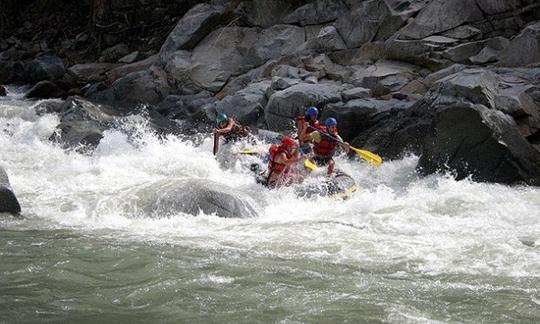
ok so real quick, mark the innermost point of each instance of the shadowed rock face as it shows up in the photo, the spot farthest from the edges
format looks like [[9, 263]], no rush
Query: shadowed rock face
[[193, 196], [479, 142], [8, 201]]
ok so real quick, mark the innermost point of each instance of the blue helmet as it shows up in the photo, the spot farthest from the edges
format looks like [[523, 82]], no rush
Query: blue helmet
[[221, 118], [330, 121], [312, 111]]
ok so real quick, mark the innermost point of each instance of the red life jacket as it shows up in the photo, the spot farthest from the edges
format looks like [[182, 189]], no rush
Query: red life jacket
[[326, 147], [273, 166], [314, 126]]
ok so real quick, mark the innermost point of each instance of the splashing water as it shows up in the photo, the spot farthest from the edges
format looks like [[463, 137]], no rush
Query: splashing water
[[401, 249]]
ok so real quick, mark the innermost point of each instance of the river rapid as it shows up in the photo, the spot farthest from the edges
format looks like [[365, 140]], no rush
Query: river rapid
[[402, 249]]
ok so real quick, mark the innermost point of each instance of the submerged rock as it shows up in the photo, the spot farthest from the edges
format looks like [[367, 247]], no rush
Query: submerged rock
[[8, 201], [194, 196]]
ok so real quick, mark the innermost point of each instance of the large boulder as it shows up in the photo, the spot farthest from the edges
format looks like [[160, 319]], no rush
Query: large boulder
[[114, 53], [284, 105], [3, 91], [44, 90], [246, 105], [264, 13], [476, 85], [49, 67], [198, 22], [441, 15], [194, 196], [123, 70], [481, 143], [235, 50], [355, 116], [188, 108], [149, 86], [327, 40], [82, 123], [356, 29], [90, 72], [524, 49], [316, 12], [8, 201]]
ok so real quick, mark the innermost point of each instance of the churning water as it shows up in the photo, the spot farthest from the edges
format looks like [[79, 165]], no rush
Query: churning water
[[402, 249]]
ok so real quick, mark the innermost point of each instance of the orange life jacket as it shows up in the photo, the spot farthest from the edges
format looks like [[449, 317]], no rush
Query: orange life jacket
[[326, 147], [273, 166]]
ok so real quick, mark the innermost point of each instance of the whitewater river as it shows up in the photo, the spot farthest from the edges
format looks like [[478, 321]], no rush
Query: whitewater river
[[402, 249]]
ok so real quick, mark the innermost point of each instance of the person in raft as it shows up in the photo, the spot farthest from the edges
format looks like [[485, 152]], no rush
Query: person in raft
[[230, 129], [305, 125], [282, 170], [325, 143]]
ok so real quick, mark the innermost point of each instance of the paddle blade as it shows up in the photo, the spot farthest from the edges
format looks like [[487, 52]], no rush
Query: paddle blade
[[248, 152], [310, 165], [368, 156]]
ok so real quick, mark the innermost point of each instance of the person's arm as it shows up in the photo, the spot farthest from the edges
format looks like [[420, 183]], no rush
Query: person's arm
[[226, 129], [344, 145], [300, 126]]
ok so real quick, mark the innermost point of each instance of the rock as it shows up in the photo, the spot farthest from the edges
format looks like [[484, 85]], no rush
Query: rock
[[524, 49], [463, 32], [481, 143], [82, 124], [45, 89], [246, 106], [112, 54], [130, 58], [486, 55], [429, 21], [367, 53], [284, 105], [434, 77], [328, 39], [419, 52], [476, 85], [317, 12], [356, 93], [3, 91], [462, 52], [81, 38], [149, 86], [322, 66], [8, 201], [279, 83], [215, 60], [90, 72], [356, 115], [187, 107], [264, 13], [3, 45], [194, 196], [413, 89], [198, 22], [122, 71], [48, 67], [384, 77], [357, 30]]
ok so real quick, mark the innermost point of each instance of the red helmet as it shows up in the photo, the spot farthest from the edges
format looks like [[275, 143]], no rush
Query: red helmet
[[288, 142]]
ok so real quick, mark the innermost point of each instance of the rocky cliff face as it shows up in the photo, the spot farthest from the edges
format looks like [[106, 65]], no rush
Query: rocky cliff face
[[457, 82]]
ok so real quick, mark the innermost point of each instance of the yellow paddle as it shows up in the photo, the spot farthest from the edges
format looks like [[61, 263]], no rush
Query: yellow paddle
[[249, 151], [366, 155], [310, 165]]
